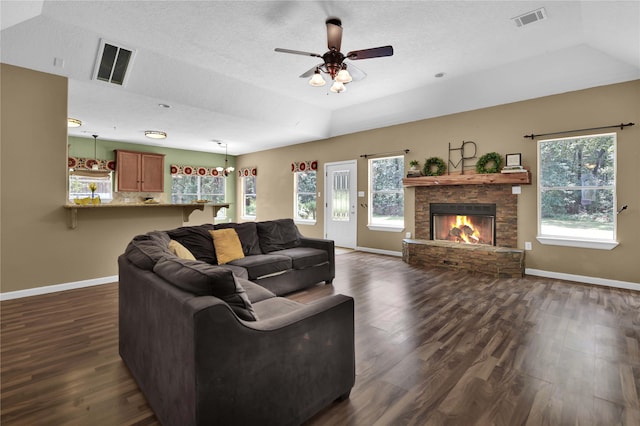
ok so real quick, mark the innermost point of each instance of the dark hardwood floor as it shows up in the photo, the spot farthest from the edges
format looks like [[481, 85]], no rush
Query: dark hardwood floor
[[433, 347]]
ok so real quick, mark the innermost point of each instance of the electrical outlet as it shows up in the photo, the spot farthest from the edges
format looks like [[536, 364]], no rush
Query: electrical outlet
[[527, 245]]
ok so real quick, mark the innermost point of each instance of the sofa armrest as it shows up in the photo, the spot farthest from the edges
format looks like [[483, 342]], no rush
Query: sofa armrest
[[323, 244], [277, 371]]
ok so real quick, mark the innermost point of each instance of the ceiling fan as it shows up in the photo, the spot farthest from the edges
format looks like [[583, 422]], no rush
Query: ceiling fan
[[334, 64]]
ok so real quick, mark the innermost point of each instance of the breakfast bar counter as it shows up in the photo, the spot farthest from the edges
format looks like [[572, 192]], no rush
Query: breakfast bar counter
[[187, 209]]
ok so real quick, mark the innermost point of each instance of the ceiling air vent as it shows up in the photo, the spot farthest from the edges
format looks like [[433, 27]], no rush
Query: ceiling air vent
[[530, 17], [112, 63]]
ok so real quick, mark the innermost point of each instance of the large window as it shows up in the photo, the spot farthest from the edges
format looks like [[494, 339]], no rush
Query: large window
[[305, 196], [249, 197], [577, 191], [79, 185], [386, 203], [189, 188]]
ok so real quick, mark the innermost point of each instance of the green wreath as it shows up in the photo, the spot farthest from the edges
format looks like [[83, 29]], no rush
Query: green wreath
[[481, 165], [429, 163]]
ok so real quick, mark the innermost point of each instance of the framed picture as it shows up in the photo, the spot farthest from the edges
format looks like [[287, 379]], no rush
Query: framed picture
[[513, 160]]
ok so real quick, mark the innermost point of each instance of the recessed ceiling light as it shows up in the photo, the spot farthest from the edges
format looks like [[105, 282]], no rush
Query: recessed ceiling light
[[73, 122], [164, 106], [439, 75], [155, 134]]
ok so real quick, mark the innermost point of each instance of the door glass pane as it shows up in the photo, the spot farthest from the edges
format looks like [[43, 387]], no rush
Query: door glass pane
[[340, 196]]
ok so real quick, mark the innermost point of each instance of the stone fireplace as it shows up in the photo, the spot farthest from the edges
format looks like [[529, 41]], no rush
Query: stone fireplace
[[440, 233]]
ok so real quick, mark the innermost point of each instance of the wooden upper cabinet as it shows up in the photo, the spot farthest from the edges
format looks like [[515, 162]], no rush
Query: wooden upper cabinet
[[139, 171]]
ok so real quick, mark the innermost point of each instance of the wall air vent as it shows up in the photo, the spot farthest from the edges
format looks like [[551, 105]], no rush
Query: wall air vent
[[112, 63], [530, 17]]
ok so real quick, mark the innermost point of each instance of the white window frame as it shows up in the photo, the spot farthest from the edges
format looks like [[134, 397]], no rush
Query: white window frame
[[245, 215], [574, 241], [296, 193], [376, 225], [222, 213]]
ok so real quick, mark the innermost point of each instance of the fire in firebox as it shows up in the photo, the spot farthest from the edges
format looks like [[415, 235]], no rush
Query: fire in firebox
[[468, 223], [463, 231]]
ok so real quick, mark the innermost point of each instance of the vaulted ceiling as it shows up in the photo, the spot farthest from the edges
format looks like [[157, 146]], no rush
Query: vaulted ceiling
[[213, 62]]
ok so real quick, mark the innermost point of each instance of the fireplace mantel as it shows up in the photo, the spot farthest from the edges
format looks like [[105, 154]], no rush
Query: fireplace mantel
[[470, 179]]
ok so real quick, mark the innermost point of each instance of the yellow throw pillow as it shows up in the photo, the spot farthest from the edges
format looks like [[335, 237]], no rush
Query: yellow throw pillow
[[227, 245], [179, 250]]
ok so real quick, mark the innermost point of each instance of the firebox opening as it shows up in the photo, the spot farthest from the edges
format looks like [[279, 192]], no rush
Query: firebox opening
[[468, 223]]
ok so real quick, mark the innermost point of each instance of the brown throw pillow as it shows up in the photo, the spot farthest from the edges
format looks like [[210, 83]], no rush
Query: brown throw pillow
[[227, 245], [179, 250]]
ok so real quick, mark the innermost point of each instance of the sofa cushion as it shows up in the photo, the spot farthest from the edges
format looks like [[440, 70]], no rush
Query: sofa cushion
[[227, 245], [304, 257], [197, 240], [145, 250], [248, 234], [203, 279], [261, 265], [277, 235], [179, 250], [255, 292]]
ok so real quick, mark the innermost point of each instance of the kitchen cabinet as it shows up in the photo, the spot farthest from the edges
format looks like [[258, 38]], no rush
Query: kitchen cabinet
[[139, 171]]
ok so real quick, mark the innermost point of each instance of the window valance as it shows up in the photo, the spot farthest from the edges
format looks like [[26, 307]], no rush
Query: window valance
[[80, 164], [195, 170], [247, 171], [304, 166]]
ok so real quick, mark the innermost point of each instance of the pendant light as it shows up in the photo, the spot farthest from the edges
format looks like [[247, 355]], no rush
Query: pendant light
[[95, 166], [227, 169]]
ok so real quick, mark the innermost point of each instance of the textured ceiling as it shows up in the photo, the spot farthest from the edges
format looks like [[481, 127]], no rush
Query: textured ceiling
[[214, 62]]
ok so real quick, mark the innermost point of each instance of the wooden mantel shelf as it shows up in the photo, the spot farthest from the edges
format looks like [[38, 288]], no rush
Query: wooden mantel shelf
[[470, 179], [187, 209]]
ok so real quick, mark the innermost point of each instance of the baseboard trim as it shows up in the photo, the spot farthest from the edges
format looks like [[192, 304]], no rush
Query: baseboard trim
[[378, 251], [56, 288], [583, 279]]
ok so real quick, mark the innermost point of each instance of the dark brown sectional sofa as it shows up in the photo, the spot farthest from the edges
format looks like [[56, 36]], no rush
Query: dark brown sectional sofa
[[215, 344]]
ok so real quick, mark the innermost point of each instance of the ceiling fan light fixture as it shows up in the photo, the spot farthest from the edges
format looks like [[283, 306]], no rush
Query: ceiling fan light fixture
[[343, 75], [338, 87], [73, 122], [155, 134], [317, 80]]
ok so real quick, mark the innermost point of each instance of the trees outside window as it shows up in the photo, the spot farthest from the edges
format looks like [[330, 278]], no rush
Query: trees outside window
[[305, 196], [386, 202], [577, 188], [249, 197], [189, 188]]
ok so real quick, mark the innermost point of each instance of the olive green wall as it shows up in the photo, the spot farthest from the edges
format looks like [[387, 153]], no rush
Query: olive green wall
[[499, 129], [84, 147]]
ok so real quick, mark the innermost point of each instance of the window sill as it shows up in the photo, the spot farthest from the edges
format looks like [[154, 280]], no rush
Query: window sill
[[304, 222], [569, 242], [385, 228]]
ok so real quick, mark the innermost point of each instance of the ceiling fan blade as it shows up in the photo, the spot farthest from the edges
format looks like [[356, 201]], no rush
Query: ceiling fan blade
[[334, 33], [297, 52], [356, 73], [310, 72], [375, 52]]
